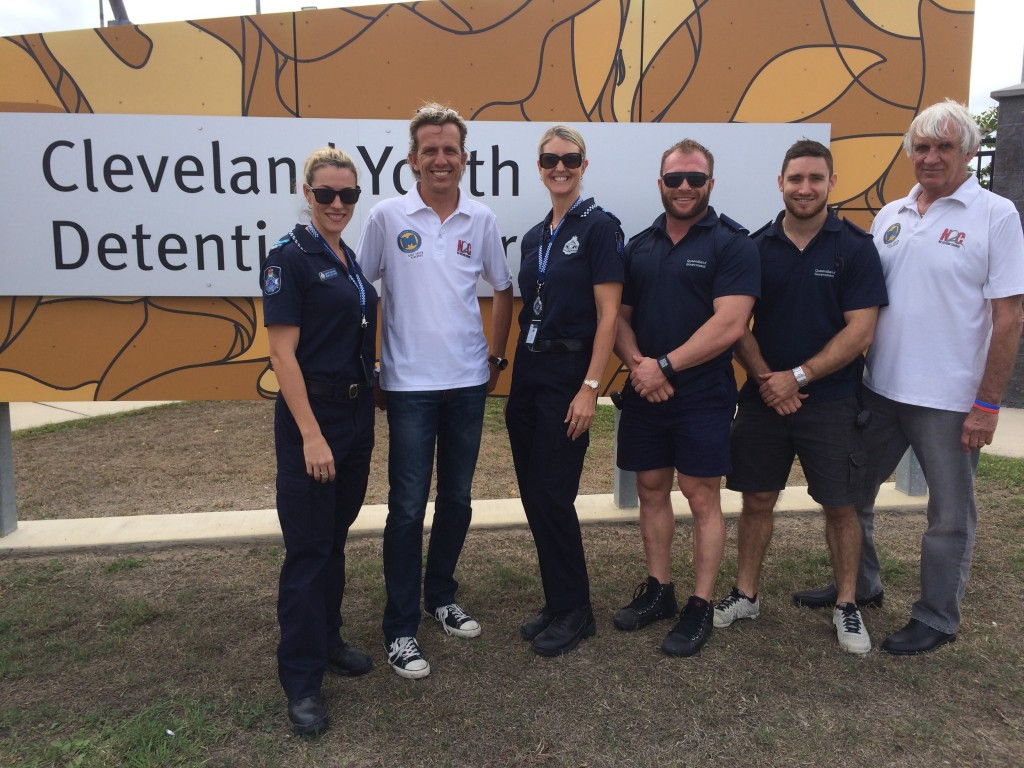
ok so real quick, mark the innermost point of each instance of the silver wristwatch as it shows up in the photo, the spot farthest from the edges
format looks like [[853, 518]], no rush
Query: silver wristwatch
[[800, 376]]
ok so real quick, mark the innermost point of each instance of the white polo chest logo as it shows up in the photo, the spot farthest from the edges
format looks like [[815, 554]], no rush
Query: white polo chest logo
[[572, 246]]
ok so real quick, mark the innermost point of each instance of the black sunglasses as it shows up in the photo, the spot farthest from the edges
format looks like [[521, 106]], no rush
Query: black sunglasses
[[326, 195], [571, 160], [695, 179]]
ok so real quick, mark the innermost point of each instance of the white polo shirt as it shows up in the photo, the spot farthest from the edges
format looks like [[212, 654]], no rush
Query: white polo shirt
[[941, 270], [431, 327]]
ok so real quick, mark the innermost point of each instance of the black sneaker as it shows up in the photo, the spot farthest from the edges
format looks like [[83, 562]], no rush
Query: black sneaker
[[652, 601], [692, 630], [825, 597], [536, 624], [565, 632]]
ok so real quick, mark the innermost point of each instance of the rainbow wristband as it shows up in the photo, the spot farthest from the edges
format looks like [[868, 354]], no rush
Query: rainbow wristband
[[981, 405]]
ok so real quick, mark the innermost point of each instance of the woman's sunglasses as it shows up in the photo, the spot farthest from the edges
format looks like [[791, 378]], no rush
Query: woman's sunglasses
[[326, 195], [694, 178], [549, 160]]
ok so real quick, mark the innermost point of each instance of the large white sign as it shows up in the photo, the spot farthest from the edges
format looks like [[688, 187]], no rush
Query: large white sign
[[161, 205]]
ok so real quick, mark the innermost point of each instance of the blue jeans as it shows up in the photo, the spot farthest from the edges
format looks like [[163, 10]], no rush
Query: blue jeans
[[453, 420]]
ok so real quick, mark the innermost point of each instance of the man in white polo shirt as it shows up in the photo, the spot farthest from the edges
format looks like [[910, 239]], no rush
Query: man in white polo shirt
[[430, 247], [944, 350]]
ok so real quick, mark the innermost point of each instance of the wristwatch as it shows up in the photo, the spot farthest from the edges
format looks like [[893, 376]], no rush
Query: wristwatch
[[592, 383], [800, 376], [501, 363], [665, 365]]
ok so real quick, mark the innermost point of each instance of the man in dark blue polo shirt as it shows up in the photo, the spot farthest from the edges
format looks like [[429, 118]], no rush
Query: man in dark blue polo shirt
[[691, 280], [821, 288]]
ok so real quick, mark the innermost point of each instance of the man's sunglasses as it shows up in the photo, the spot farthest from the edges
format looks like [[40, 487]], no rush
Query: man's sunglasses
[[695, 179], [549, 160], [326, 195]]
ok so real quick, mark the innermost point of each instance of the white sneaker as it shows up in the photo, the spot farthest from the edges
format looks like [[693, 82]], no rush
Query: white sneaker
[[850, 629], [456, 621], [405, 658], [736, 606]]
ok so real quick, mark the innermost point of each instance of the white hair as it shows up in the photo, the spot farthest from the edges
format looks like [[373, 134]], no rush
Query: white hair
[[936, 121]]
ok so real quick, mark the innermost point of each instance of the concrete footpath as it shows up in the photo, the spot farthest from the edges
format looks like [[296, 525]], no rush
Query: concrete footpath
[[141, 531]]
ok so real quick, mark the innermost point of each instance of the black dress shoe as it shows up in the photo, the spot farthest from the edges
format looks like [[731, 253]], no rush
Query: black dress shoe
[[916, 637], [308, 716], [692, 630], [536, 624], [348, 661], [565, 632], [825, 597]]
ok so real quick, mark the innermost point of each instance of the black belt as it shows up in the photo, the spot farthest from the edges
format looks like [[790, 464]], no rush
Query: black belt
[[335, 391], [559, 345]]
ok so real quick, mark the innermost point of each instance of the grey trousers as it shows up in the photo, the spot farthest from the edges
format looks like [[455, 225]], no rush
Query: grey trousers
[[948, 542]]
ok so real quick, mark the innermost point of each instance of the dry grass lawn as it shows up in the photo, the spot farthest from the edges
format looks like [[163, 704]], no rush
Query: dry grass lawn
[[166, 658]]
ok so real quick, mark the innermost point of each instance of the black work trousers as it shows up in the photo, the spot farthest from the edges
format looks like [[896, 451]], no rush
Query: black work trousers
[[315, 518], [548, 466]]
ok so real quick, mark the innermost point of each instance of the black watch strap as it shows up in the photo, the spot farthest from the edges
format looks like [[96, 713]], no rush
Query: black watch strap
[[501, 363], [666, 366]]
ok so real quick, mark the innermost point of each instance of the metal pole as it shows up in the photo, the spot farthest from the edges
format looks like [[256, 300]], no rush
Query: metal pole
[[625, 482], [120, 14], [8, 509], [910, 477]]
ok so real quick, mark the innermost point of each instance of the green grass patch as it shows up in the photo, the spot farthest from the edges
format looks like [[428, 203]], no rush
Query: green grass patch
[[132, 614], [1002, 472], [123, 564]]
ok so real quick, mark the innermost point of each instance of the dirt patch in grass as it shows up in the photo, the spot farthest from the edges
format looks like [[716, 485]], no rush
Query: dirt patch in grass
[[167, 658]]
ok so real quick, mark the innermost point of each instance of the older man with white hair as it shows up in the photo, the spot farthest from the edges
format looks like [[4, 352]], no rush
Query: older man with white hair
[[943, 352]]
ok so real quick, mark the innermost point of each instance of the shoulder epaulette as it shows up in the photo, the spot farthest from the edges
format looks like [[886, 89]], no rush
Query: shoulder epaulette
[[732, 224], [855, 228], [762, 230], [642, 233]]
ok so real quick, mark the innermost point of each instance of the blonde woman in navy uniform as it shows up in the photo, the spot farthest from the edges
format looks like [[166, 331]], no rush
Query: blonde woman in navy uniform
[[320, 315], [571, 283]]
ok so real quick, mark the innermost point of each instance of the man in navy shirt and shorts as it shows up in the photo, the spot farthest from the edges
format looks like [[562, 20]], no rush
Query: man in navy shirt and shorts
[[821, 288], [691, 280]]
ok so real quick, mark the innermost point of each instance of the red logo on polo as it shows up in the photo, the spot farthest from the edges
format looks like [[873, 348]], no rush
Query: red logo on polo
[[465, 249], [953, 237]]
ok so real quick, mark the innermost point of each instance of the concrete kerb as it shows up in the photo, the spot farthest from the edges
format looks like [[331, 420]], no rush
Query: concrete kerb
[[133, 532]]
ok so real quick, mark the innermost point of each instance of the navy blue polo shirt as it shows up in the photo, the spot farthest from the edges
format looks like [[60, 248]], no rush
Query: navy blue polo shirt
[[587, 251], [671, 289], [804, 295], [305, 285]]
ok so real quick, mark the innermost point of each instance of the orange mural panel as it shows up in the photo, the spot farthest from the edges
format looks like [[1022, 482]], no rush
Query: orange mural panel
[[865, 66]]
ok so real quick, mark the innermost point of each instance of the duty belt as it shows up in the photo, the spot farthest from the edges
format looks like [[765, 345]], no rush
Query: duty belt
[[558, 345], [335, 391]]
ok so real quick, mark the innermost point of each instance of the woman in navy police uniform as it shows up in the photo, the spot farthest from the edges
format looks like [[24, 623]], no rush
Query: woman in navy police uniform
[[320, 315], [571, 283]]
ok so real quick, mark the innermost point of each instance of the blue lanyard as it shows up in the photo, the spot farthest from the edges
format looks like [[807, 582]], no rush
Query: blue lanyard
[[352, 273], [543, 254]]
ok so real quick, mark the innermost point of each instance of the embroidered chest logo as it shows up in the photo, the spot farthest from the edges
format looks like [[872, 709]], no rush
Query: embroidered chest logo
[[829, 273], [409, 241], [891, 234], [465, 249], [952, 237], [572, 246], [698, 263]]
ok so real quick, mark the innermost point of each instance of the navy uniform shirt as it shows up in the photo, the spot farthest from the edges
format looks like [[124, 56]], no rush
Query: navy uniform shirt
[[587, 251], [672, 289], [804, 295], [305, 285]]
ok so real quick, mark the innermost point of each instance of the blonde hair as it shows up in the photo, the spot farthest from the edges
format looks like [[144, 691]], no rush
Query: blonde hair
[[327, 157], [562, 132]]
